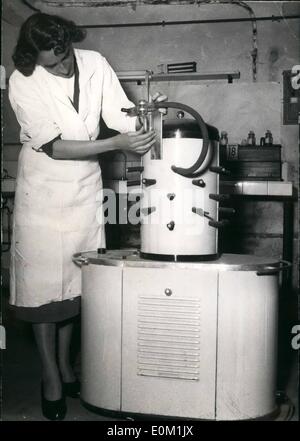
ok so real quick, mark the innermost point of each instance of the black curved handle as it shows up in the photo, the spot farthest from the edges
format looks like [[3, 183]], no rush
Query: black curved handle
[[188, 172]]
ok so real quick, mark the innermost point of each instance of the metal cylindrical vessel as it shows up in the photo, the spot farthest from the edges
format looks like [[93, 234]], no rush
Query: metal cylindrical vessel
[[177, 211]]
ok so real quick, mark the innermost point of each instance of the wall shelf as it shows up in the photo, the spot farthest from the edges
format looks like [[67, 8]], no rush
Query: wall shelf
[[142, 76]]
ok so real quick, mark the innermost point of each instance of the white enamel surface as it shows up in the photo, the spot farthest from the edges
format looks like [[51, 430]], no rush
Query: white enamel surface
[[159, 393], [192, 234], [236, 375], [247, 345], [101, 336]]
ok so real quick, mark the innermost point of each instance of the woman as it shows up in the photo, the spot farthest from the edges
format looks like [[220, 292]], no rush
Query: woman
[[58, 94]]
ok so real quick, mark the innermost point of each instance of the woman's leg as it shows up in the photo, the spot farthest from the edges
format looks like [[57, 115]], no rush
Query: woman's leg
[[64, 342], [45, 336]]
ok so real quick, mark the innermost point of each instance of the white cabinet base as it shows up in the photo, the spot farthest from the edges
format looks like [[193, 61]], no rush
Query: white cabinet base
[[187, 340]]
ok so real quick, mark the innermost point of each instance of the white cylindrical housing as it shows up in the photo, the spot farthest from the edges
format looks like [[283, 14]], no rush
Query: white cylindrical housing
[[182, 339], [175, 211]]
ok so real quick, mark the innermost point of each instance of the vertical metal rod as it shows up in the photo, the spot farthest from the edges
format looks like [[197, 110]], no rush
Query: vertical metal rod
[[147, 80], [149, 99]]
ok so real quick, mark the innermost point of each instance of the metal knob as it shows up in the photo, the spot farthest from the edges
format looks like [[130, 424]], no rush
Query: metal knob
[[180, 114], [171, 225], [219, 197], [148, 182], [198, 182], [171, 196], [168, 292], [148, 210], [218, 224], [133, 183], [139, 169], [226, 210], [220, 170]]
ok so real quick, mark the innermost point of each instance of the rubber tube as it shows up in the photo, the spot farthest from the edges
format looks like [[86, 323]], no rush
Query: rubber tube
[[188, 172]]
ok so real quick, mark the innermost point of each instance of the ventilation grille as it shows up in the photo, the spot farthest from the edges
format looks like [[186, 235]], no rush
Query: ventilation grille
[[169, 337]]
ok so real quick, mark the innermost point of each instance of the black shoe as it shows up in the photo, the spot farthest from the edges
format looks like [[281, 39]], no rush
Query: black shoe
[[53, 410], [72, 389]]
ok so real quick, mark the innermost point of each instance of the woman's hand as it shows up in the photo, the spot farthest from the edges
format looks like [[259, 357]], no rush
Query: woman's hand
[[135, 142], [156, 98]]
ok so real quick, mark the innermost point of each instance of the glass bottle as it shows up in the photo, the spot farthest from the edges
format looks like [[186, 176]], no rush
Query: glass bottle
[[224, 138], [269, 138], [251, 138]]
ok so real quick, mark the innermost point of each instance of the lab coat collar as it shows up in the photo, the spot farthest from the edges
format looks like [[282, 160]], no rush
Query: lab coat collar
[[86, 71]]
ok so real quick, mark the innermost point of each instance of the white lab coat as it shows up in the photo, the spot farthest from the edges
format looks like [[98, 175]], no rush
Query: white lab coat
[[58, 206]]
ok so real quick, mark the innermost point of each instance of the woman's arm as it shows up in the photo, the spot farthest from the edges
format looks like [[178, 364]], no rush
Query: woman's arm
[[136, 142]]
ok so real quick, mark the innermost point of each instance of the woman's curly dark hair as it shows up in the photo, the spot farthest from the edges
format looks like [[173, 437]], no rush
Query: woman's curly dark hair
[[43, 32]]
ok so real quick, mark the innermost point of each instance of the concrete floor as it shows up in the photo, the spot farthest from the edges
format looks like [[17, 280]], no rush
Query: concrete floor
[[22, 373], [21, 379]]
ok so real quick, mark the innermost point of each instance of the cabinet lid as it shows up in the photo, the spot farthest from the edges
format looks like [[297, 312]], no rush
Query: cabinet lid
[[226, 262]]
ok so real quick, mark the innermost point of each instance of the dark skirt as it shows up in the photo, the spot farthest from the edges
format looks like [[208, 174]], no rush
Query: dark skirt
[[49, 313]]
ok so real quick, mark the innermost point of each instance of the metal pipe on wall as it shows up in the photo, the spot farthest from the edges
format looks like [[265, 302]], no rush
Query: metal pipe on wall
[[252, 18], [164, 23], [30, 6]]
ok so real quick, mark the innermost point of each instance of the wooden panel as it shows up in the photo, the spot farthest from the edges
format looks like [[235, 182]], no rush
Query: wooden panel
[[169, 342]]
